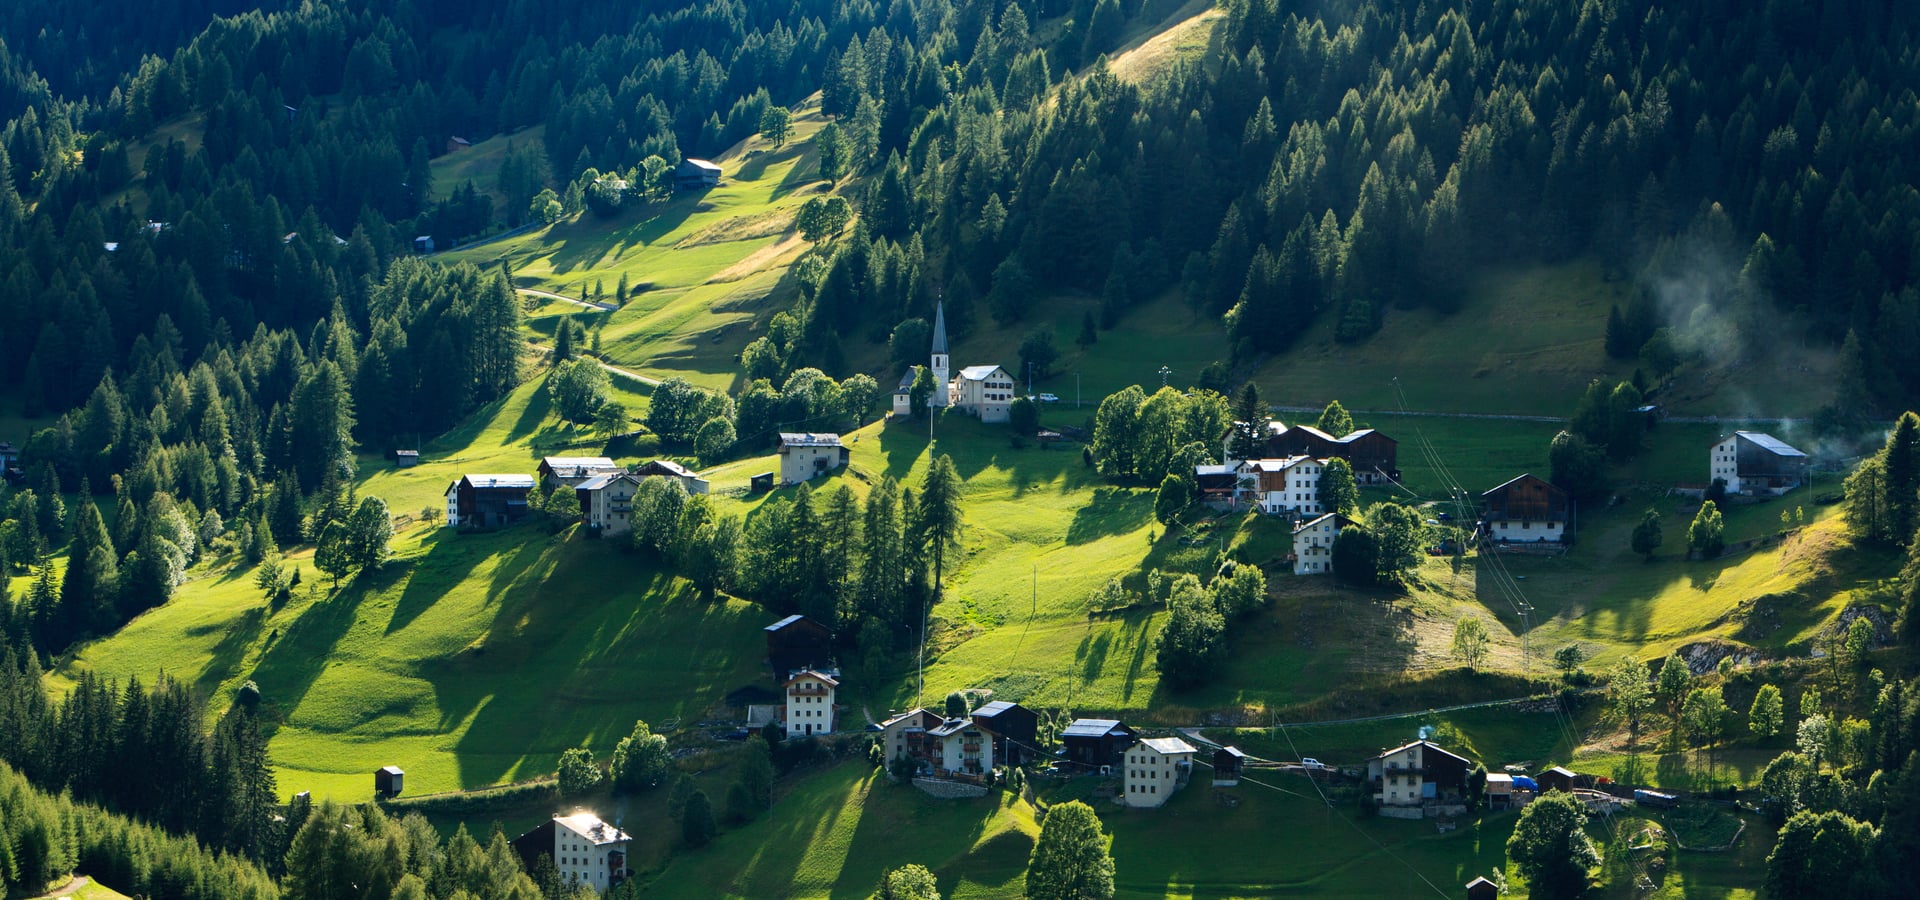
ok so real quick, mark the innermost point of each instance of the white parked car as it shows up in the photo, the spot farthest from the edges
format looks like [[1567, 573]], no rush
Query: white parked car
[[1313, 765], [1049, 398]]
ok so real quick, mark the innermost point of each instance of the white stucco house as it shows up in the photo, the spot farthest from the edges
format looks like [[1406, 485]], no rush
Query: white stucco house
[[963, 748], [903, 393], [1313, 543], [606, 502], [807, 455], [984, 392], [810, 695], [1290, 485], [583, 848], [1154, 769]]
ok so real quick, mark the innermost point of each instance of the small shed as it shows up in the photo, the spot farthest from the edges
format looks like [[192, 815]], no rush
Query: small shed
[[406, 459], [761, 483], [1482, 889], [456, 144], [388, 781], [423, 244], [1499, 790], [1227, 763], [1557, 778]]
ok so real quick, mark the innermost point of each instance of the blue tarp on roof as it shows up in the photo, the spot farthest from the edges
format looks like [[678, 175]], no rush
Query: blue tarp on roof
[[1526, 784]]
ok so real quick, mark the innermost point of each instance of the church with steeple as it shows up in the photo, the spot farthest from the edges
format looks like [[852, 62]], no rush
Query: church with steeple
[[984, 392]]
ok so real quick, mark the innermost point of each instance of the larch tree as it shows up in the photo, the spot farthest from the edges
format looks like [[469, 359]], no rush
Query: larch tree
[[1070, 860]]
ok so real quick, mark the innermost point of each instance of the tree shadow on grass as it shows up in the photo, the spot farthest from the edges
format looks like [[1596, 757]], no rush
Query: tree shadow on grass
[[952, 828], [587, 242], [289, 667], [448, 559], [1111, 511], [232, 648], [531, 416]]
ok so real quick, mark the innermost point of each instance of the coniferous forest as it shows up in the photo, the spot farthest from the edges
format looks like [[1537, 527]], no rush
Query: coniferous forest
[[203, 331]]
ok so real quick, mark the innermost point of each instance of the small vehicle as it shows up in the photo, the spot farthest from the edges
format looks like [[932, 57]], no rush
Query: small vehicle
[[1313, 765], [1049, 398]]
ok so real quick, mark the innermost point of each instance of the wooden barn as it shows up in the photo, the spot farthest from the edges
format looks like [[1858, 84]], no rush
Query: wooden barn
[[1227, 765], [795, 643], [1015, 730], [1528, 510], [695, 175], [488, 501], [1097, 742], [388, 781]]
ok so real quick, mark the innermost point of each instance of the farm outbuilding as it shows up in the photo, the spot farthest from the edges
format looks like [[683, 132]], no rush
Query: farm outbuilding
[[795, 643], [1097, 742], [1558, 779], [695, 174], [1014, 729], [388, 781], [1227, 763]]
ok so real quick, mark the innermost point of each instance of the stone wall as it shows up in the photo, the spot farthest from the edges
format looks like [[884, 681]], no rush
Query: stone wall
[[949, 790]]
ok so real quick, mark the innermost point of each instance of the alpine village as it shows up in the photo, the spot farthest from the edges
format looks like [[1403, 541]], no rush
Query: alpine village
[[917, 449]]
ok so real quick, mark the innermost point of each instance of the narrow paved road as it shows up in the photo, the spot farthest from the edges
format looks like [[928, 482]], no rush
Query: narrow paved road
[[647, 380], [602, 307]]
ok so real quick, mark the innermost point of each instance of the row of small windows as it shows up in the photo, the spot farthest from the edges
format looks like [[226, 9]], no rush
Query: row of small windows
[[1143, 789]]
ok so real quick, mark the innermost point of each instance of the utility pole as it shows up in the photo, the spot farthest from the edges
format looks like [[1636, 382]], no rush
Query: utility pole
[[1076, 390]]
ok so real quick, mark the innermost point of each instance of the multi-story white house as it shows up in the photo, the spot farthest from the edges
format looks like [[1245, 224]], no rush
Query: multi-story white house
[[1754, 463], [1313, 543], [984, 392], [964, 749], [810, 696], [581, 846], [1413, 777], [1290, 485], [804, 456], [606, 502], [1155, 768]]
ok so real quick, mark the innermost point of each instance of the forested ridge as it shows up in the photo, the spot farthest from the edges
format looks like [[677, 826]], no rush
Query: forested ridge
[[207, 328]]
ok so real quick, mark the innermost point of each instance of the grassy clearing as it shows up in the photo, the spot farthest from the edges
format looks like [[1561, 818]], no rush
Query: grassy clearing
[[835, 834], [480, 164], [1192, 32], [471, 660], [692, 306]]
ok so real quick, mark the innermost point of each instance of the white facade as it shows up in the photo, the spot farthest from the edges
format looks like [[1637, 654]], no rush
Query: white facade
[[606, 502], [1290, 485], [1726, 463], [1313, 544], [453, 505], [1154, 769], [985, 392], [1525, 531], [903, 393], [810, 703], [964, 748], [804, 456], [589, 849], [894, 731]]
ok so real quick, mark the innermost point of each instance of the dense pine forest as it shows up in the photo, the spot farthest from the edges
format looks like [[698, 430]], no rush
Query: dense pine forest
[[209, 301]]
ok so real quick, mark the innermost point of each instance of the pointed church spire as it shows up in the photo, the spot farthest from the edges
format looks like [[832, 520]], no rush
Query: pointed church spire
[[939, 367], [940, 328]]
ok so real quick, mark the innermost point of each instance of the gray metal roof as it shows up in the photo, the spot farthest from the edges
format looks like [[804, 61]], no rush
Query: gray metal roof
[[1091, 727], [807, 439], [979, 373], [1168, 746], [499, 481], [1769, 443], [579, 462]]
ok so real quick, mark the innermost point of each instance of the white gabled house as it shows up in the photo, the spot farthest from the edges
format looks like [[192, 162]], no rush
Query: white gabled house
[[984, 392], [1154, 769], [1313, 543], [806, 455], [964, 749], [903, 393], [809, 709], [585, 850]]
